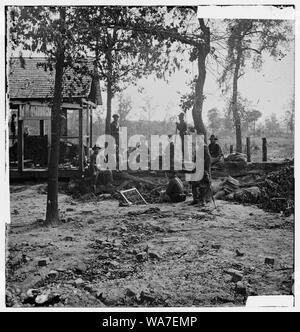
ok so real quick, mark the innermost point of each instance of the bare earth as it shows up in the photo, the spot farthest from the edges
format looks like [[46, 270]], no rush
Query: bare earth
[[152, 255]]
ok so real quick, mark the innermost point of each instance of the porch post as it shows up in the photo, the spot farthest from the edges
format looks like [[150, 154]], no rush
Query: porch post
[[20, 142], [80, 141]]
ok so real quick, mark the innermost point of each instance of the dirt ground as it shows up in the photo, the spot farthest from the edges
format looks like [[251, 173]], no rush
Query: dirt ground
[[158, 255]]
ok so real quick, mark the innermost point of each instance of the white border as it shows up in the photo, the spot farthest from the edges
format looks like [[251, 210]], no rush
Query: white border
[[4, 181]]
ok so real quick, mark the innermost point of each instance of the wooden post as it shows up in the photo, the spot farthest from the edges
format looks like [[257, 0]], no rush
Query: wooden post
[[80, 156], [20, 144], [264, 149], [41, 127], [231, 149], [91, 127], [248, 150]]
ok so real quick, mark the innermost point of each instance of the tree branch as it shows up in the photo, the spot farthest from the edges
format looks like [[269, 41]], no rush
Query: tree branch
[[251, 49]]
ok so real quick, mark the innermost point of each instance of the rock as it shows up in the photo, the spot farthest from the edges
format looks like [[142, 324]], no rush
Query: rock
[[91, 221], [216, 246], [224, 299], [236, 275], [43, 261], [103, 256], [80, 268], [146, 296], [42, 298], [239, 253], [52, 274], [111, 296], [31, 293], [114, 264], [230, 197], [129, 292], [68, 238], [78, 282], [269, 261], [87, 286], [154, 255], [240, 288], [25, 258], [142, 256]]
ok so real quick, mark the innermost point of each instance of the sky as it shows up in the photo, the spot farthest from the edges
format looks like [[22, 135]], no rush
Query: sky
[[268, 90]]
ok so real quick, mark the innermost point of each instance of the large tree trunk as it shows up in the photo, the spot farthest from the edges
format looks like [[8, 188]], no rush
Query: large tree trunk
[[235, 111], [198, 103], [203, 51], [197, 110], [52, 215]]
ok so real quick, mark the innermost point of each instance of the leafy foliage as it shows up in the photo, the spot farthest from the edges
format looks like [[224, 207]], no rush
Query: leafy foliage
[[253, 38]]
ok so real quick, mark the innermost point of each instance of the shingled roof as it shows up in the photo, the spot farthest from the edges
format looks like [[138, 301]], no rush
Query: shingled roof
[[27, 79]]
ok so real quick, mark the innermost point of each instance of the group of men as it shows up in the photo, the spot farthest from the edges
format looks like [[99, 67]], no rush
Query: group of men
[[201, 190], [174, 192]]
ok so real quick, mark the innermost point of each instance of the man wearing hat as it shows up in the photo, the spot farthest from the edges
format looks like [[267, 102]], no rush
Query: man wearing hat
[[114, 127], [114, 131], [214, 150], [105, 176], [181, 127], [94, 171]]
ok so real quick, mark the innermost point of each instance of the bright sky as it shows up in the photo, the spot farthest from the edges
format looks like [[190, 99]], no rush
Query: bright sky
[[268, 90]]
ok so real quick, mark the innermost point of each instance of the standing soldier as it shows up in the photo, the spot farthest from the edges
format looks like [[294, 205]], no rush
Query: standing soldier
[[114, 128], [94, 171], [201, 189], [181, 127], [114, 131]]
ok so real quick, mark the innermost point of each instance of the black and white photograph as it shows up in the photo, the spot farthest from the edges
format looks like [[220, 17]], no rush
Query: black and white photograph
[[149, 156]]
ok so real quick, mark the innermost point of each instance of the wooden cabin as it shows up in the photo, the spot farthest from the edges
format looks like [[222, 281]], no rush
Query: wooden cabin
[[30, 91]]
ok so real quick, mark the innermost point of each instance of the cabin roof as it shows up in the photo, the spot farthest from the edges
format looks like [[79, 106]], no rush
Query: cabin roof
[[28, 79]]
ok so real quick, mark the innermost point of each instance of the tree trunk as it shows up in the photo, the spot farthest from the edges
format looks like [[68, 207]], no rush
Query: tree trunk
[[235, 111], [108, 108], [52, 196], [203, 51], [198, 103], [52, 215], [109, 91]]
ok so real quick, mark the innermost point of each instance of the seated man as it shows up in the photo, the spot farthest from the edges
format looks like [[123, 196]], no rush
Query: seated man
[[215, 150], [174, 192], [103, 176]]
